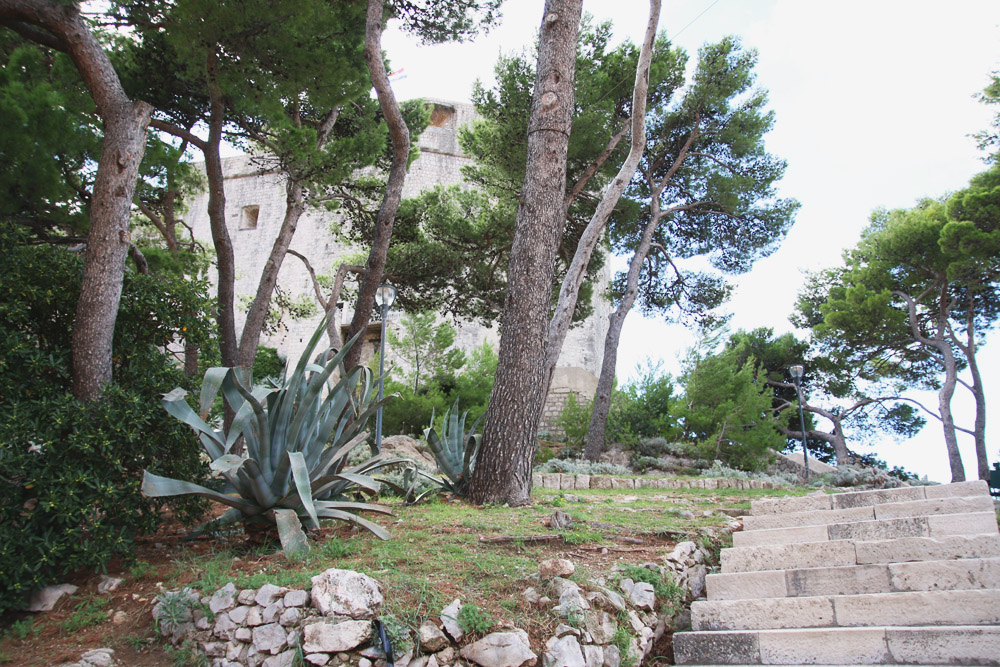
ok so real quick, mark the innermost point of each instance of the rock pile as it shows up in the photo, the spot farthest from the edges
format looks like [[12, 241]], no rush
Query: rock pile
[[599, 622]]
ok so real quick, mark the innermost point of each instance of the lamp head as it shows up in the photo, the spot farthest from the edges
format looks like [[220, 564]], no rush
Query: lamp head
[[796, 372], [385, 295]]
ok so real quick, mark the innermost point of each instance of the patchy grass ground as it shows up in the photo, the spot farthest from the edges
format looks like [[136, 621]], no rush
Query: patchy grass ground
[[439, 551]]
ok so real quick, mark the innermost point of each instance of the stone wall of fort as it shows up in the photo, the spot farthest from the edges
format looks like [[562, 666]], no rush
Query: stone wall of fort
[[255, 206]]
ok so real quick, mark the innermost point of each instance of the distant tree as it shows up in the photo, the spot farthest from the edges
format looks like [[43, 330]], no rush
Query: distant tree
[[830, 391], [726, 412], [989, 140], [706, 186], [427, 347], [915, 297]]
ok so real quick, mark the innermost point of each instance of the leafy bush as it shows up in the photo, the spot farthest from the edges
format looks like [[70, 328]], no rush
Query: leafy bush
[[643, 409], [410, 410], [574, 420], [70, 471]]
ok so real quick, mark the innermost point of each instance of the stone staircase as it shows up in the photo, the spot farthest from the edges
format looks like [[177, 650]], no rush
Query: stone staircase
[[907, 576]]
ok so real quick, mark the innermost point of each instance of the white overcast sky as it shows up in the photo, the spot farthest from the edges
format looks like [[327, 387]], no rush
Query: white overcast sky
[[874, 104]]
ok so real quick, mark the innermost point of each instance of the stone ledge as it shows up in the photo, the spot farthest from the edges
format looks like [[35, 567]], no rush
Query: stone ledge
[[568, 481]]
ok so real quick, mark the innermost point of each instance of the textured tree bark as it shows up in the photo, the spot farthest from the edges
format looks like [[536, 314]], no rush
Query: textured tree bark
[[570, 290], [399, 134], [605, 384], [125, 123], [295, 206], [224, 257], [503, 468], [947, 390], [968, 348]]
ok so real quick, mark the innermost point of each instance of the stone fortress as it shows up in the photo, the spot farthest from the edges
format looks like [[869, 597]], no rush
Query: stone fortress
[[255, 206]]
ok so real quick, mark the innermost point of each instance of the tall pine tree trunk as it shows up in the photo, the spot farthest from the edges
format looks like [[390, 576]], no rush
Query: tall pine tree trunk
[[503, 468], [61, 26], [570, 290], [224, 257], [399, 134], [605, 384]]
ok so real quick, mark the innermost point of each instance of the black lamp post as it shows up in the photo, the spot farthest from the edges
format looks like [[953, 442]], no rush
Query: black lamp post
[[796, 372], [384, 296]]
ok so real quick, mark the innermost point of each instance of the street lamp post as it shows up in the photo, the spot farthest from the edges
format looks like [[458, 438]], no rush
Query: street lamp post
[[384, 296], [796, 372]]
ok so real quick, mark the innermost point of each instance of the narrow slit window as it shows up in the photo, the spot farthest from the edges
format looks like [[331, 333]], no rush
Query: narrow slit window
[[248, 220]]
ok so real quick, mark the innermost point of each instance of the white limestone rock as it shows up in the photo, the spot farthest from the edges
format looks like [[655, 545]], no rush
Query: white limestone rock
[[431, 638], [47, 598], [346, 593], [269, 638], [223, 599], [334, 638], [296, 598], [501, 649], [563, 652], [555, 567], [449, 619], [268, 593], [641, 596]]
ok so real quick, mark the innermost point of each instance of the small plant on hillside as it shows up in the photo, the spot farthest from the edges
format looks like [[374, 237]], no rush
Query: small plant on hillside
[[297, 438], [473, 620], [455, 450], [574, 420], [670, 595], [85, 614]]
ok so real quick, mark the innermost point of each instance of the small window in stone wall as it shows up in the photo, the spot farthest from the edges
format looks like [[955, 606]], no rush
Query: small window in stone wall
[[248, 220], [442, 116]]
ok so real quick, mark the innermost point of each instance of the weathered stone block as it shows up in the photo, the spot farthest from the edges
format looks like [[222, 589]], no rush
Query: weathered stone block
[[813, 612], [716, 648], [854, 646], [746, 585], [852, 580]]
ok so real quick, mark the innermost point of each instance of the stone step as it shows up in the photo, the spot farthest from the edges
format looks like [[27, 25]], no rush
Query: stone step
[[968, 607], [927, 507], [838, 501], [841, 553], [951, 645], [938, 525], [963, 574]]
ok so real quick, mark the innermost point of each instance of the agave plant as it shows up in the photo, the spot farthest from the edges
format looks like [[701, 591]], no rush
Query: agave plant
[[297, 439], [454, 450]]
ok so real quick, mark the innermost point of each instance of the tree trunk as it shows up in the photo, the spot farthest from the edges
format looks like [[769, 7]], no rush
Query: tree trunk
[[570, 290], [982, 457], [947, 420], [399, 134], [605, 384], [225, 260], [125, 124], [250, 337], [503, 469]]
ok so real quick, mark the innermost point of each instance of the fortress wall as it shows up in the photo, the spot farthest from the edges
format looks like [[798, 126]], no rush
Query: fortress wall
[[440, 162]]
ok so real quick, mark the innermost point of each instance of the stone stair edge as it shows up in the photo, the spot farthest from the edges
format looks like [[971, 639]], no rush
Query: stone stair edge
[[884, 511], [939, 608], [850, 499], [932, 525], [954, 645], [955, 574]]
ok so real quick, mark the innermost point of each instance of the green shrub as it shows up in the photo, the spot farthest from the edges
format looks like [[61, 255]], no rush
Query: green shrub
[[574, 420], [70, 471], [643, 409]]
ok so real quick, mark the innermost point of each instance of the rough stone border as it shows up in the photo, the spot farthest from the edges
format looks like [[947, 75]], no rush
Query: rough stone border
[[569, 481]]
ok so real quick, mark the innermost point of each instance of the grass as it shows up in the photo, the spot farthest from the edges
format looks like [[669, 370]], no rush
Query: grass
[[85, 614], [437, 554]]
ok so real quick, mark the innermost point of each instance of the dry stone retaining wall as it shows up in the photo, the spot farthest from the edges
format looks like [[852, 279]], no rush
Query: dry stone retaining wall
[[570, 481], [332, 624]]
